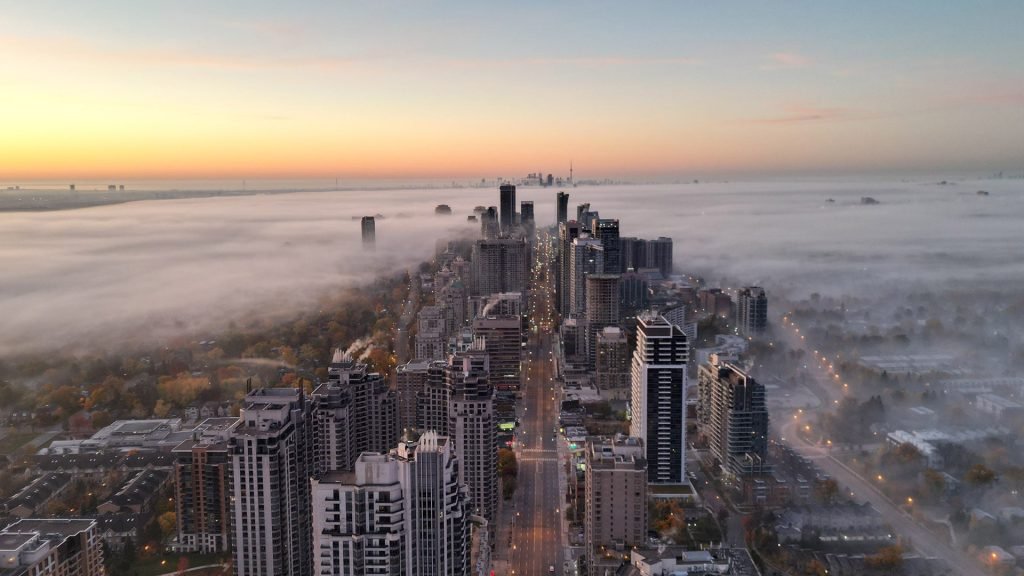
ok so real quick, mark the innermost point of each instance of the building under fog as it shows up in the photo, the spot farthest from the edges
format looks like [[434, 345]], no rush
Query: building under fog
[[369, 232], [751, 311]]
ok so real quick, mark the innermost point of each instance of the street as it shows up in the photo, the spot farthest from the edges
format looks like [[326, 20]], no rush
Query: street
[[538, 504]]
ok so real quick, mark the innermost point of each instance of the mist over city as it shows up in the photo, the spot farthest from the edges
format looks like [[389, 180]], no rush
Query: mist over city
[[150, 270], [511, 289]]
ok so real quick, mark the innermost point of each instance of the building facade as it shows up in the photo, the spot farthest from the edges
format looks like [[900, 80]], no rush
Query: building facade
[[356, 411], [500, 265], [586, 257], [616, 494], [658, 398], [732, 415], [611, 366], [567, 233], [607, 231], [51, 547], [271, 464], [399, 514], [602, 309], [202, 488], [502, 340], [751, 311], [473, 428]]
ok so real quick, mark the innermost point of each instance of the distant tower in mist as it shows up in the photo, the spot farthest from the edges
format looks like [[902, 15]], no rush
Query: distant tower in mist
[[562, 207], [508, 207], [751, 311], [369, 233], [526, 216]]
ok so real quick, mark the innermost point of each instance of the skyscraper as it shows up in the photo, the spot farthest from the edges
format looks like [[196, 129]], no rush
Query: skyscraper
[[508, 207], [636, 254], [431, 333], [404, 513], [607, 231], [732, 415], [526, 216], [659, 255], [567, 232], [355, 412], [410, 385], [501, 265], [561, 207], [587, 258], [585, 216], [502, 340], [602, 309], [658, 400], [202, 487], [611, 363], [369, 232], [489, 227], [751, 311], [270, 470], [632, 293], [472, 426]]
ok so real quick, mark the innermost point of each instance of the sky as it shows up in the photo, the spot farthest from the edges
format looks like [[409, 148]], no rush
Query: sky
[[234, 89]]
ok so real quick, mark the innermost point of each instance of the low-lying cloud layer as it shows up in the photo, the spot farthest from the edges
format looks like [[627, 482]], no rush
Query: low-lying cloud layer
[[147, 270]]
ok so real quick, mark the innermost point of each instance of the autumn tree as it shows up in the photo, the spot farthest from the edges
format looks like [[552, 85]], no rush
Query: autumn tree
[[668, 517], [980, 475], [168, 523], [183, 389]]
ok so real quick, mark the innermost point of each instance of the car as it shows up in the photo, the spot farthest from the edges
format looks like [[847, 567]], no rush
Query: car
[[551, 569]]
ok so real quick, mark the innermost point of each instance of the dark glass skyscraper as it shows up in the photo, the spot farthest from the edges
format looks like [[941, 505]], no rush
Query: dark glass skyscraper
[[526, 215], [508, 207], [561, 207], [607, 231], [369, 232]]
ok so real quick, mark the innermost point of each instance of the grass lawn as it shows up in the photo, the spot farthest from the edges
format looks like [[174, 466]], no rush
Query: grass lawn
[[152, 566], [15, 439]]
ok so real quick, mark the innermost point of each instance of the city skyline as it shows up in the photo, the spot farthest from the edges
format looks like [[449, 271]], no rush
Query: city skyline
[[416, 91]]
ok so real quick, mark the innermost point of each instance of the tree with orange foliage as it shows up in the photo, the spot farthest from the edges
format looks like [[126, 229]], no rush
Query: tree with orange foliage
[[183, 389]]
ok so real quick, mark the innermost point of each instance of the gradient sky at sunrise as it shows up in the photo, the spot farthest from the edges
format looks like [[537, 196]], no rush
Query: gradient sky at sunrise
[[441, 89]]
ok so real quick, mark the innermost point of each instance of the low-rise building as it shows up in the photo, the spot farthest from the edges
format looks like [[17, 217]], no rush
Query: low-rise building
[[998, 406], [51, 547], [616, 493], [29, 501]]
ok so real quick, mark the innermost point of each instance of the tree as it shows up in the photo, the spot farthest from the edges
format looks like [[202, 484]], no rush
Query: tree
[[161, 408], [168, 522], [980, 475], [508, 466], [668, 517], [934, 484], [183, 389]]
